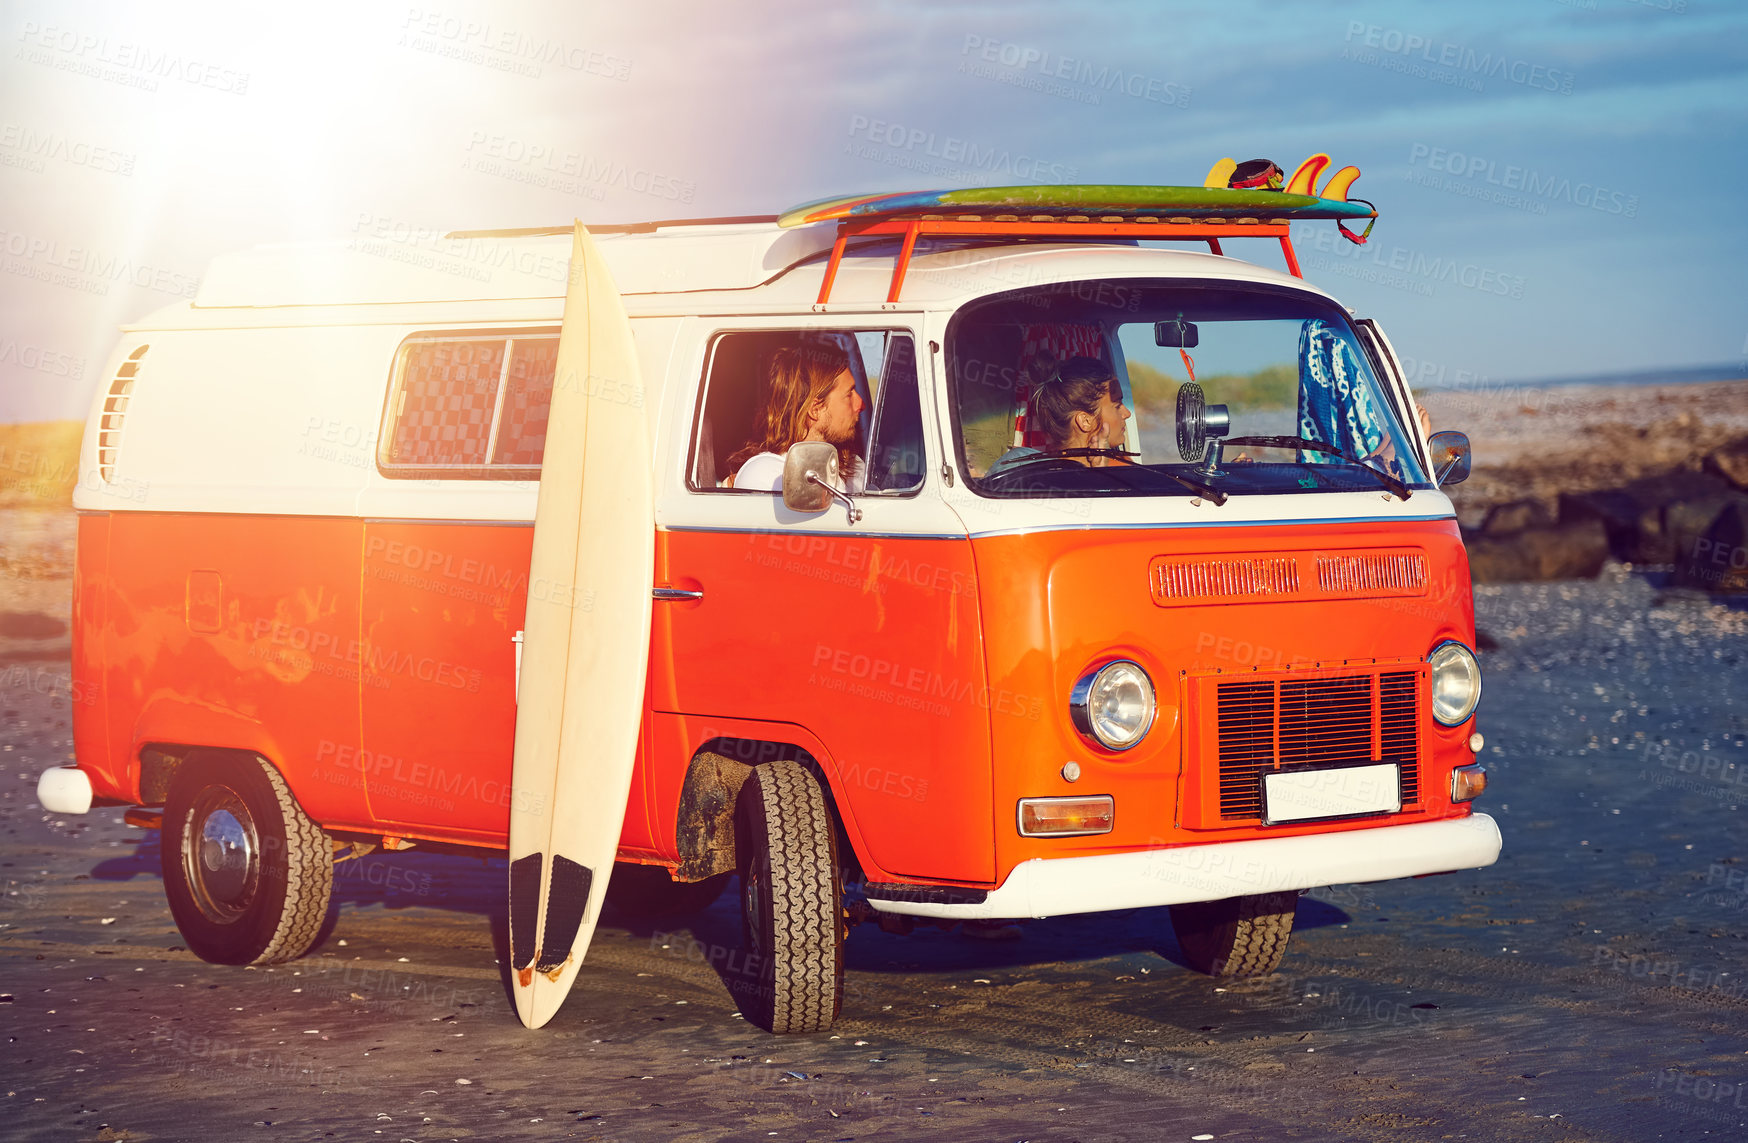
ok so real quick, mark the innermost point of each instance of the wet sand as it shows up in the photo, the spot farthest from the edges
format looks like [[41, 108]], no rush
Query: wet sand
[[1592, 985]]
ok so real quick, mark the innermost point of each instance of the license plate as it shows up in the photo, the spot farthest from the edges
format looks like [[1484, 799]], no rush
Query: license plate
[[1343, 792]]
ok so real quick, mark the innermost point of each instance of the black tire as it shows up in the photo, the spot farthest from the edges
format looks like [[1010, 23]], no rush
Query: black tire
[[647, 891], [1237, 937], [248, 874], [791, 907]]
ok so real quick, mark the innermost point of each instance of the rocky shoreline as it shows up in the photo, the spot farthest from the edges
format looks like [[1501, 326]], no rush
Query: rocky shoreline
[[1568, 478]]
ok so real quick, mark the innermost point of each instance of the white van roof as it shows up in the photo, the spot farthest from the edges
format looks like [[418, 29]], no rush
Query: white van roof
[[389, 266]]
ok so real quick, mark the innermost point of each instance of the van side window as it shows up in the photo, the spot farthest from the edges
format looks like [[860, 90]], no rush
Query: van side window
[[895, 451], [466, 406], [737, 391], [521, 437]]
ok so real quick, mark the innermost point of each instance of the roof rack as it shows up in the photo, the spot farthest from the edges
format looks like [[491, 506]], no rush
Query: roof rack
[[613, 227], [1209, 230]]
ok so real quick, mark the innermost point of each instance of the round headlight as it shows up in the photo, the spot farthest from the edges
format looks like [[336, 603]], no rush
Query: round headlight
[[1113, 705], [1455, 681]]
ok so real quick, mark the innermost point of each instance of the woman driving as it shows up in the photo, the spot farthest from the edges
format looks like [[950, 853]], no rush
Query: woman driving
[[1080, 413]]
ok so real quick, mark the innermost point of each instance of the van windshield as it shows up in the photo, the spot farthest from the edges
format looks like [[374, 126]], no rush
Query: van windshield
[[1132, 387]]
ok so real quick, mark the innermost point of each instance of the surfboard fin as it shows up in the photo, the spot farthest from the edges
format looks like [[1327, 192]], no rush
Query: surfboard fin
[[1220, 173], [1337, 186], [1304, 178]]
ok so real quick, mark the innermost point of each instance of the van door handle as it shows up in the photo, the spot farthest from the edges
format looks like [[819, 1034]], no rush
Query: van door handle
[[675, 594]]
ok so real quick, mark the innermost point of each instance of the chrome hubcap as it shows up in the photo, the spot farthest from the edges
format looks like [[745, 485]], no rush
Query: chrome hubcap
[[225, 854], [222, 854]]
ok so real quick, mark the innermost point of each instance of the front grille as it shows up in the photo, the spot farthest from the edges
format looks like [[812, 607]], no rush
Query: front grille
[[1274, 577], [1198, 578], [1263, 724], [1372, 572], [1399, 727]]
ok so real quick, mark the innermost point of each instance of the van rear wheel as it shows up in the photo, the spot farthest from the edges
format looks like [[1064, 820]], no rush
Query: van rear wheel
[[248, 874], [792, 916], [1237, 937]]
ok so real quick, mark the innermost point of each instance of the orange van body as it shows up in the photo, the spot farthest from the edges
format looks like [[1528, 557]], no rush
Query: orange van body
[[358, 632], [285, 657]]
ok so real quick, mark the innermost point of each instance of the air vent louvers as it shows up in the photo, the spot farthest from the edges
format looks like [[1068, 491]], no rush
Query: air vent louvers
[[115, 403]]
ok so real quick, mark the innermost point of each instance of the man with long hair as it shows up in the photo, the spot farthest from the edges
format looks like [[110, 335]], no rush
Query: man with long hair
[[812, 398]]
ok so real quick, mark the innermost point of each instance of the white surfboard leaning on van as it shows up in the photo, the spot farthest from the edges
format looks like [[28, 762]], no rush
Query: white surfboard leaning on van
[[586, 643]]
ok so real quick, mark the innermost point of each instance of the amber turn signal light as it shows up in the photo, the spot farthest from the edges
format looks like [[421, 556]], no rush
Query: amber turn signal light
[[1066, 817], [1468, 782]]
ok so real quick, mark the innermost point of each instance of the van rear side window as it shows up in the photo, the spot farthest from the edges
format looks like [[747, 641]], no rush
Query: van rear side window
[[466, 406]]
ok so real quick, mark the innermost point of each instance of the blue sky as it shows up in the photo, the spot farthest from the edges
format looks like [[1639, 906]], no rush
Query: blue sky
[[1558, 182]]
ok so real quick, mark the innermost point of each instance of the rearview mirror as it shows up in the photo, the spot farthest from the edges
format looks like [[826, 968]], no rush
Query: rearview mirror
[[1450, 457], [1175, 334], [811, 480], [805, 459]]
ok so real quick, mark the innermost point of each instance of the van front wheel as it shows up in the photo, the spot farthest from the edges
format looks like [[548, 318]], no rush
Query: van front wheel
[[1237, 937], [248, 874], [792, 918]]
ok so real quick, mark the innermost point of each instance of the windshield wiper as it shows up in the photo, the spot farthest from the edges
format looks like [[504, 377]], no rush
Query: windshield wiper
[[1306, 444], [1207, 491]]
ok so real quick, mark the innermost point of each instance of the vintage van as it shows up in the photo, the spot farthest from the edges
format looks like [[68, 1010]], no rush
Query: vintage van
[[1219, 657]]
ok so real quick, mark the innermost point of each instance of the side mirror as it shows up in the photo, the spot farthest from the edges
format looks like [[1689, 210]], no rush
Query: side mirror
[[811, 479], [1176, 334], [1450, 457]]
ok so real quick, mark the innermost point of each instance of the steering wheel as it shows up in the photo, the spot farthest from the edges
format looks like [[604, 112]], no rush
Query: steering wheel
[[1097, 479], [1034, 464]]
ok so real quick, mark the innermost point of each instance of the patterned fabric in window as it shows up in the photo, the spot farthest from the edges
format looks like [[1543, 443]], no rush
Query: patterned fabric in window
[[447, 396], [527, 400]]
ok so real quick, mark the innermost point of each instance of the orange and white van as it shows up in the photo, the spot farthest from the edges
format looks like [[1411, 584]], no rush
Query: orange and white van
[[1211, 673]]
